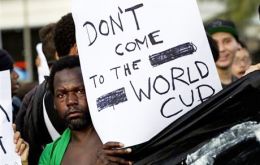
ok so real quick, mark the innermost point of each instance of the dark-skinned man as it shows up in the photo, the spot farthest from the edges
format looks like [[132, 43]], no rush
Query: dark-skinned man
[[79, 143]]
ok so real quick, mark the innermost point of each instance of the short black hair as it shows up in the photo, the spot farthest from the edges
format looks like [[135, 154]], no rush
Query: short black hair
[[6, 60], [66, 62], [46, 34], [243, 44], [213, 47], [64, 36]]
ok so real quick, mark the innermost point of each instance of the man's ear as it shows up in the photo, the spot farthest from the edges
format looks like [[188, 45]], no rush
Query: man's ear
[[74, 50], [56, 55], [240, 47]]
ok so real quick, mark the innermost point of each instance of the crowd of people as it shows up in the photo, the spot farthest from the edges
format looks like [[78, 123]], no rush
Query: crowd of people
[[52, 122]]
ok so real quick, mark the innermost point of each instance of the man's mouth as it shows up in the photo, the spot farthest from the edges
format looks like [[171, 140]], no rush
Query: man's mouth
[[74, 114], [223, 57]]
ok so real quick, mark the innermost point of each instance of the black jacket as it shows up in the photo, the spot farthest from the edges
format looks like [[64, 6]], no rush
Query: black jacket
[[30, 121]]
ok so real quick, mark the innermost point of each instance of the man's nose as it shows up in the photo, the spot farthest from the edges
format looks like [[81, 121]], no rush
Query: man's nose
[[14, 74], [72, 99], [221, 47]]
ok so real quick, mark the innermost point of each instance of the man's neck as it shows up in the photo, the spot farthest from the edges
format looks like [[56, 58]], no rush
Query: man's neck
[[225, 75], [83, 147], [82, 135]]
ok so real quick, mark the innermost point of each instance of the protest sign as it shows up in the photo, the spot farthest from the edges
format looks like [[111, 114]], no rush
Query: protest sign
[[7, 148], [145, 64]]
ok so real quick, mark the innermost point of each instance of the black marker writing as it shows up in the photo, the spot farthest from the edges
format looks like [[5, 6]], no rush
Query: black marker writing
[[113, 22], [101, 79], [200, 92], [131, 46], [111, 99], [163, 79], [172, 54], [115, 68], [134, 14], [178, 74], [178, 77], [2, 146], [127, 68], [3, 110], [205, 86], [192, 100], [104, 26], [163, 113], [141, 92]]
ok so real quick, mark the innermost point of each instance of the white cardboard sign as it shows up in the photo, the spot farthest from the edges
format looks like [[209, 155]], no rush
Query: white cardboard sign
[[145, 64], [43, 68], [7, 148]]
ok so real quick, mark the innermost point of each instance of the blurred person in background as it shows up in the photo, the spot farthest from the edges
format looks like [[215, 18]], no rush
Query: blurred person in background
[[242, 61], [46, 51], [46, 35], [64, 37], [225, 34], [7, 63]]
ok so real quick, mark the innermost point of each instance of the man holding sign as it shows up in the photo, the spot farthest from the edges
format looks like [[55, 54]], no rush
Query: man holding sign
[[80, 142]]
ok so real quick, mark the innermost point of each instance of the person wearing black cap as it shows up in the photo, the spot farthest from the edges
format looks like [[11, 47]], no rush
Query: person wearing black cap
[[224, 32], [6, 63]]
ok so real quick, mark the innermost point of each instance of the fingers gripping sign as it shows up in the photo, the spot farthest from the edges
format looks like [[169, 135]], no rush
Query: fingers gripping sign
[[22, 147], [111, 154]]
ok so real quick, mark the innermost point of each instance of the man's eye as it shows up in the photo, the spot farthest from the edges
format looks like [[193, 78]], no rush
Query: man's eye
[[81, 91], [227, 41], [60, 95]]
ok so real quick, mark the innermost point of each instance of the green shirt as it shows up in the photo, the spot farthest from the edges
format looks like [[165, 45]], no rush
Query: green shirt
[[53, 152]]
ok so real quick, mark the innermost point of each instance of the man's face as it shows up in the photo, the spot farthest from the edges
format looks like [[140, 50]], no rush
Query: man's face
[[228, 46], [14, 82], [70, 98]]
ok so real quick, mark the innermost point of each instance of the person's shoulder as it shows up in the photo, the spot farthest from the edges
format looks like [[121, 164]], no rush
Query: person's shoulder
[[65, 135], [51, 149]]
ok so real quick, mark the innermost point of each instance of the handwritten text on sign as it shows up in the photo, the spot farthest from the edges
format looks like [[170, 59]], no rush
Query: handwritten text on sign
[[145, 64], [7, 147]]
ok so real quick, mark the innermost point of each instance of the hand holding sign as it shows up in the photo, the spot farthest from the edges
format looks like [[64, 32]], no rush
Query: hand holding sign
[[22, 147], [111, 153]]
